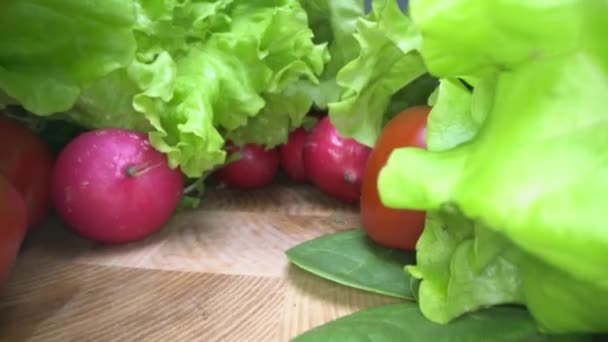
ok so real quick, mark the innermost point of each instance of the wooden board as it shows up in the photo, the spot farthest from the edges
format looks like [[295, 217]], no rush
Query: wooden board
[[218, 273]]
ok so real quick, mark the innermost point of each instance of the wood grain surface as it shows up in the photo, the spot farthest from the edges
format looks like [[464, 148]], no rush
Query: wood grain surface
[[217, 273]]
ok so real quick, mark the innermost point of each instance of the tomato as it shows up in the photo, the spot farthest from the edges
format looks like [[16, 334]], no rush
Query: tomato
[[27, 161], [386, 226], [13, 225]]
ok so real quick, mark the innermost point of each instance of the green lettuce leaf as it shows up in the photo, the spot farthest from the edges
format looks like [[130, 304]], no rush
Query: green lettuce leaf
[[333, 23], [519, 159], [387, 62], [192, 74], [50, 50], [464, 265], [238, 84], [562, 302]]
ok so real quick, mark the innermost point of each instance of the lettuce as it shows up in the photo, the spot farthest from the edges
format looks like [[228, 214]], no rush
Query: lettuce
[[375, 69], [385, 76], [50, 50], [333, 23], [514, 176], [191, 73]]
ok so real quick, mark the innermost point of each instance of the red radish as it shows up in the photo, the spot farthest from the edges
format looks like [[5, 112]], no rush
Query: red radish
[[335, 164], [13, 227], [255, 168], [292, 161], [112, 186]]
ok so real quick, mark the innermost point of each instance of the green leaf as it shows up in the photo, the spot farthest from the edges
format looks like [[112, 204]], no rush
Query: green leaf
[[240, 76], [352, 259], [472, 37], [405, 322], [333, 23], [387, 62], [415, 93], [50, 50], [450, 122], [463, 268], [108, 102], [550, 291], [192, 74], [279, 117], [521, 158]]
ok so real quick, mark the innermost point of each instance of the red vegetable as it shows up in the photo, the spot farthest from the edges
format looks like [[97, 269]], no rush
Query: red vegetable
[[255, 166], [292, 161], [391, 227], [111, 186], [13, 226], [27, 162], [333, 163]]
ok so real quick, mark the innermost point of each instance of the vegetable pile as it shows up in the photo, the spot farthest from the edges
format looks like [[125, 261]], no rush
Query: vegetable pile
[[191, 74], [470, 135]]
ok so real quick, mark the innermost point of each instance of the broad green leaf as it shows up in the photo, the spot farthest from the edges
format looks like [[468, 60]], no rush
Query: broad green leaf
[[50, 50], [352, 259], [405, 322]]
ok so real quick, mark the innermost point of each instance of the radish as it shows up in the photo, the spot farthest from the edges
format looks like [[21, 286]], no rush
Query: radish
[[112, 186], [335, 164], [13, 227], [292, 161], [253, 167]]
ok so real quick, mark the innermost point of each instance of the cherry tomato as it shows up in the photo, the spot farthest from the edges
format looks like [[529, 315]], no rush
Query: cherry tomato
[[27, 161], [13, 226], [386, 226]]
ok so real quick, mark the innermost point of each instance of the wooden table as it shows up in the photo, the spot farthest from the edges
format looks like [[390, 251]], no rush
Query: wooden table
[[218, 273]]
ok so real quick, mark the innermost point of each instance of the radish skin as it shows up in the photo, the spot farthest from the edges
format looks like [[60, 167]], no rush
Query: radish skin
[[335, 164], [112, 186]]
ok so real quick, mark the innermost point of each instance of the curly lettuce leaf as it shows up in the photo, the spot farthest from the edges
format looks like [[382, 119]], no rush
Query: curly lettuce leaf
[[50, 50], [281, 114], [464, 266], [205, 72], [387, 62], [522, 157], [333, 23]]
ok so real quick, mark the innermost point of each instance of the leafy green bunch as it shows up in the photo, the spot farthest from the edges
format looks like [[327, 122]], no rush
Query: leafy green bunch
[[190, 73]]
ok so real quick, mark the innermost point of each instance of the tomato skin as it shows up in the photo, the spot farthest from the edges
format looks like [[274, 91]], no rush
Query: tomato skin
[[13, 226], [386, 226], [27, 162]]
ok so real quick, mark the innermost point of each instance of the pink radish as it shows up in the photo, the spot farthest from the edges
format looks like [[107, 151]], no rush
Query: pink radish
[[292, 161], [334, 164], [253, 167], [112, 186]]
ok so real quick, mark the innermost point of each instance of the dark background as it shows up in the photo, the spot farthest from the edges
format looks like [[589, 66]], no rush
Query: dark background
[[367, 5]]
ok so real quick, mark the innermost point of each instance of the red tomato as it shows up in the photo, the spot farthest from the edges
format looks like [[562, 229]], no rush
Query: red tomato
[[13, 225], [27, 162], [390, 227]]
